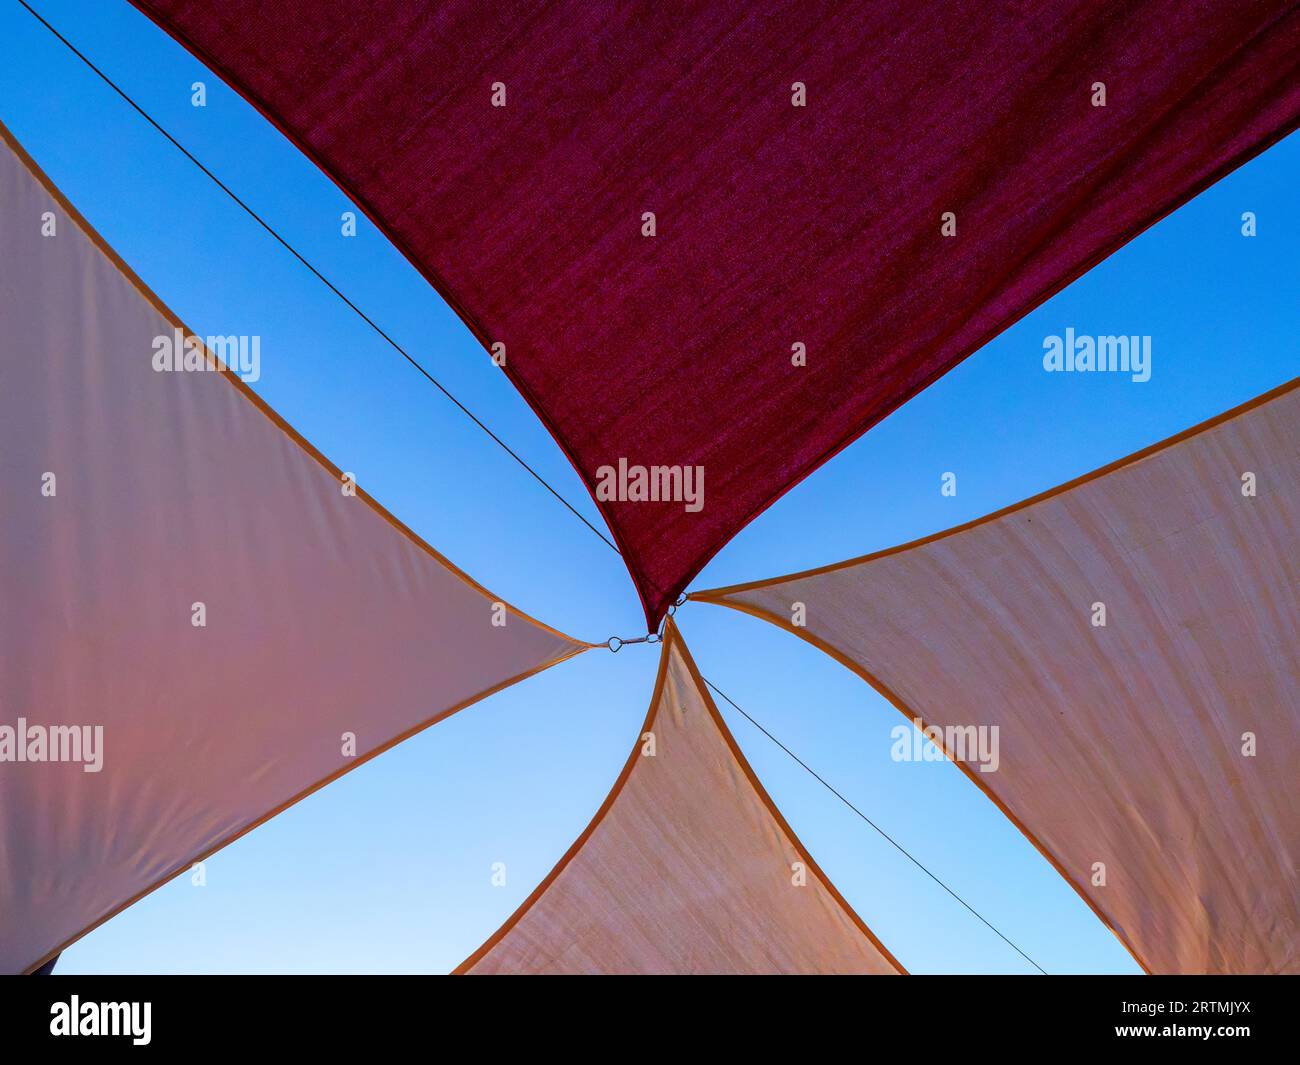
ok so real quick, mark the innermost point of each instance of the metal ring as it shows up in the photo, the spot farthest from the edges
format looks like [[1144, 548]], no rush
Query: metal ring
[[614, 643]]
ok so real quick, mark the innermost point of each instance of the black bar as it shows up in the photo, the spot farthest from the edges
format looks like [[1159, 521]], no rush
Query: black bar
[[488, 1018]]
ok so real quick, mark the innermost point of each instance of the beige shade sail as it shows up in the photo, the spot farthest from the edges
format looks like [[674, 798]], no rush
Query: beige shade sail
[[191, 606], [1133, 637], [687, 868]]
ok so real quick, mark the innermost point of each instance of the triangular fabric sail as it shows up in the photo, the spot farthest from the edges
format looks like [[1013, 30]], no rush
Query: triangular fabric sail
[[720, 241], [687, 868], [1132, 636], [198, 624]]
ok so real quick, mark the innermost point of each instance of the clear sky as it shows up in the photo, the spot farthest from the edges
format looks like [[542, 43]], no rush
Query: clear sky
[[388, 869]]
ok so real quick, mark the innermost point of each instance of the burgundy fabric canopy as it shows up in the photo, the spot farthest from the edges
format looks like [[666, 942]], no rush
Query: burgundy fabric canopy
[[778, 228]]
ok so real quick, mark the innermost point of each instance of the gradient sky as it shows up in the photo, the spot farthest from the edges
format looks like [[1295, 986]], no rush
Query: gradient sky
[[387, 870]]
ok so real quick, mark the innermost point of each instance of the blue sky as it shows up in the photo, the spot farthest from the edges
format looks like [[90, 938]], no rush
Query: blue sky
[[387, 870]]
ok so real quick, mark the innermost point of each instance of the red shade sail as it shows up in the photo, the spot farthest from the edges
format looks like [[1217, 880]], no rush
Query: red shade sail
[[883, 187]]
